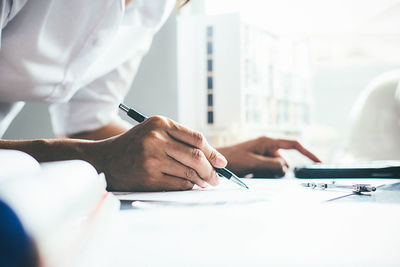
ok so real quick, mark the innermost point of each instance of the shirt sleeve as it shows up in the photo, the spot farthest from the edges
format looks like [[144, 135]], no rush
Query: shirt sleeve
[[8, 10], [95, 105], [5, 8]]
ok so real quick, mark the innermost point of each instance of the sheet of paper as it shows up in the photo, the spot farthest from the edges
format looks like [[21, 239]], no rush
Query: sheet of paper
[[261, 190], [225, 193]]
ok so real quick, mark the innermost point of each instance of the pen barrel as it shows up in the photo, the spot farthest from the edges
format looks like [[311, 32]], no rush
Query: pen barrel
[[136, 115], [224, 172]]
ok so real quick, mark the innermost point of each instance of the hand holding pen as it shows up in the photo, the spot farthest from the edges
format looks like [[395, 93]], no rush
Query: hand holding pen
[[160, 155], [196, 155]]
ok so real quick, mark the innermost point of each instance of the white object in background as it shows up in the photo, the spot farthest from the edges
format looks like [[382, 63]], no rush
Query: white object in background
[[375, 120], [14, 162], [238, 82], [63, 205]]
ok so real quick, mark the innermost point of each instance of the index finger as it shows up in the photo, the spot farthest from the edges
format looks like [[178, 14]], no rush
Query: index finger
[[197, 140], [292, 144]]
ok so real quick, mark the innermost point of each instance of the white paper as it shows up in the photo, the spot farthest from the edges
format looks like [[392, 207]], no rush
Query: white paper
[[227, 192], [260, 190]]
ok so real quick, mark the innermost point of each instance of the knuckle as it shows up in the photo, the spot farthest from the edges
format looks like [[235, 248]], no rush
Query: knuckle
[[158, 121], [150, 163], [190, 173], [198, 139], [175, 126], [152, 135], [213, 156], [296, 143], [152, 138], [197, 154]]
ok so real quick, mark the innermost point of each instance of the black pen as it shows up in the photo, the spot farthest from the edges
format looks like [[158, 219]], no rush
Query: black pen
[[224, 172]]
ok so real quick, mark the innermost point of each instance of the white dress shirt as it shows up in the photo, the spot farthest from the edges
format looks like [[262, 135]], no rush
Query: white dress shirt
[[79, 55]]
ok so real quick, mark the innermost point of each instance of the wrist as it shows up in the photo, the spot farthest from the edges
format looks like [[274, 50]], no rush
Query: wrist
[[92, 152], [46, 150], [69, 149]]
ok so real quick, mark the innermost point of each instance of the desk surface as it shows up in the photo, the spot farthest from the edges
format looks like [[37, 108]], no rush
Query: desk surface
[[288, 228]]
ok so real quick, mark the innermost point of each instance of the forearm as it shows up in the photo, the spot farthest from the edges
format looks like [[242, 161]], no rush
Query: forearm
[[80, 146], [105, 132], [46, 150]]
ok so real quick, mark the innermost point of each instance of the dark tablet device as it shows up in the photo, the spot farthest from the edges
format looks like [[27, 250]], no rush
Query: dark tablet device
[[380, 169]]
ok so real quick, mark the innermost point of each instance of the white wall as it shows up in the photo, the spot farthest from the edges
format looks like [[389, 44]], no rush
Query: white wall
[[153, 91]]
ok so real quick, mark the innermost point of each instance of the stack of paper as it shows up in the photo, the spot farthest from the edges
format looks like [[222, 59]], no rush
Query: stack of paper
[[63, 205]]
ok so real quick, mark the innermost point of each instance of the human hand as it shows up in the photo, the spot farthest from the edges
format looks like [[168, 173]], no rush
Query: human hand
[[261, 156], [159, 155]]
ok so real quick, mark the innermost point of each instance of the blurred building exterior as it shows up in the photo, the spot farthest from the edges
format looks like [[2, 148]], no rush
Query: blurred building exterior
[[236, 80]]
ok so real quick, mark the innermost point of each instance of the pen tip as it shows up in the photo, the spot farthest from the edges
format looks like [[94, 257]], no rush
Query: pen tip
[[238, 181]]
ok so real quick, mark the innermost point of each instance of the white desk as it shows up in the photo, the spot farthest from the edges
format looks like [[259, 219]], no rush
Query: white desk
[[284, 230]]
